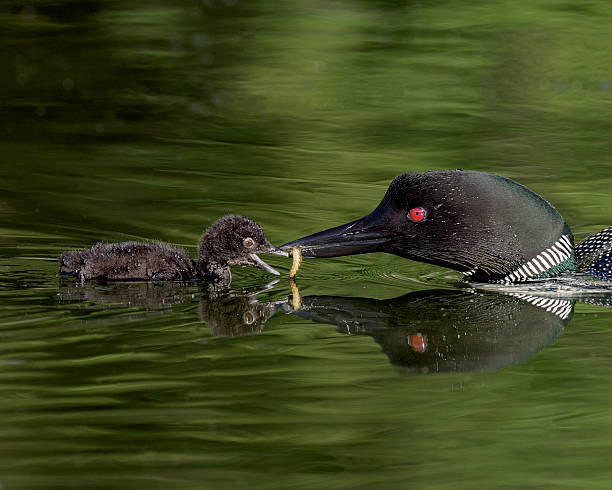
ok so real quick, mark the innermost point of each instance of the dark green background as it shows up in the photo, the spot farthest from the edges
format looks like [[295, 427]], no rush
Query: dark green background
[[149, 120]]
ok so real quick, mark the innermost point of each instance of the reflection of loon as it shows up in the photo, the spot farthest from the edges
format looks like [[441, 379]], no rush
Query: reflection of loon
[[486, 226], [424, 331], [447, 330]]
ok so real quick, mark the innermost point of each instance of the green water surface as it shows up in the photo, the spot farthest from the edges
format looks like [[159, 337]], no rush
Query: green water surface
[[149, 120]]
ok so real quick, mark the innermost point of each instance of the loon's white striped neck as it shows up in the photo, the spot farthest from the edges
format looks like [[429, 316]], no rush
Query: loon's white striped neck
[[557, 258]]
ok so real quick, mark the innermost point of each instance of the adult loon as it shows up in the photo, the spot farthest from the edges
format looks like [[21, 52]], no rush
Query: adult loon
[[486, 226], [231, 240]]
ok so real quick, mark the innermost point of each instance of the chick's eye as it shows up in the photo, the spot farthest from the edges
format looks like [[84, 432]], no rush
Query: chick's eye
[[417, 214], [248, 242]]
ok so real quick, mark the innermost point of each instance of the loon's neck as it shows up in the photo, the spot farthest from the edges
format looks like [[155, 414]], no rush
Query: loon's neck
[[554, 260]]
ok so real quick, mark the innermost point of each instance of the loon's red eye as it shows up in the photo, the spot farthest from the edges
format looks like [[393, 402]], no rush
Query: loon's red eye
[[417, 214]]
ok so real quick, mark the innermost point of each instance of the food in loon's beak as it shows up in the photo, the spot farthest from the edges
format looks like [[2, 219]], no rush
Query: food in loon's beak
[[296, 253]]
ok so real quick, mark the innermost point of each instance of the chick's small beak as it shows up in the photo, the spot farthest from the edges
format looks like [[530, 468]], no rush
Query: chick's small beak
[[267, 248], [257, 262], [276, 251]]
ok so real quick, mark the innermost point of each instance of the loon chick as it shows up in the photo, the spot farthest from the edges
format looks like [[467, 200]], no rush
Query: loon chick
[[486, 226], [231, 240]]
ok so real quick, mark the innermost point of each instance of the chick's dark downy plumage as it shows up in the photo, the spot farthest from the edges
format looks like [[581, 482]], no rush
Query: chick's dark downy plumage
[[129, 260], [231, 240]]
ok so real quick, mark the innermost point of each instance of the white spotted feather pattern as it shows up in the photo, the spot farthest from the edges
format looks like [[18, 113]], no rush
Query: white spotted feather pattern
[[594, 254]]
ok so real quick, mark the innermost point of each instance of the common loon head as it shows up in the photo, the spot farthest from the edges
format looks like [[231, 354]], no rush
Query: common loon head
[[484, 225], [234, 240]]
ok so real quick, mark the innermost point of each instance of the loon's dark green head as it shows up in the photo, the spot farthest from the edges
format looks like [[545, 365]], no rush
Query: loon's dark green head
[[481, 224]]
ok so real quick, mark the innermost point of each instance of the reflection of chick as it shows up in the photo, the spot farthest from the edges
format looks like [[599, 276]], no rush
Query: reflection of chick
[[235, 316], [143, 294], [231, 240]]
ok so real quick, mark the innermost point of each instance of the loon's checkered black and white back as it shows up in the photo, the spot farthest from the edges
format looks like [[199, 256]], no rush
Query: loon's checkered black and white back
[[594, 254]]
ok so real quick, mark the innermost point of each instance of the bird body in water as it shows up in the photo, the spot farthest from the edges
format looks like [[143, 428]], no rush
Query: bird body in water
[[231, 240], [594, 254], [486, 226]]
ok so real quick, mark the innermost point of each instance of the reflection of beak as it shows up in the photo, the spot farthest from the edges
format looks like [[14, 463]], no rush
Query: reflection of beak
[[361, 236], [272, 250]]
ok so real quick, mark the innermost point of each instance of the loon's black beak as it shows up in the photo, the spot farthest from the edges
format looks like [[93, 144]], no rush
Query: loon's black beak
[[361, 236]]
